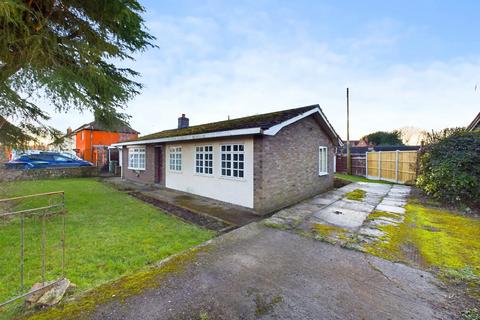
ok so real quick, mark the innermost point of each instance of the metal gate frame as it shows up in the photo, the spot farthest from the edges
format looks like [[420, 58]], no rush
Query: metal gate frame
[[42, 212]]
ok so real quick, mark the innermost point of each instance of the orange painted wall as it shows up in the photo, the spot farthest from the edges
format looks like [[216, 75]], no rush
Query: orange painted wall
[[86, 139]]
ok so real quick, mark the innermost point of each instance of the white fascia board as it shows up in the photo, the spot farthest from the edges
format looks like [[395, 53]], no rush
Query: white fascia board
[[136, 146], [218, 134], [275, 129]]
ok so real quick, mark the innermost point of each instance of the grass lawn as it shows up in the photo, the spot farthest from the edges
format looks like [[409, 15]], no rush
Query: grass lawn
[[441, 241], [358, 179], [109, 234]]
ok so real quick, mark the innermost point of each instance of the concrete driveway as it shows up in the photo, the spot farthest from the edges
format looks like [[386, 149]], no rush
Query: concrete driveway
[[259, 272]]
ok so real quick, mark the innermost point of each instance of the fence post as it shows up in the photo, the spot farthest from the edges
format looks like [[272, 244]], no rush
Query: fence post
[[63, 244], [44, 253], [396, 165], [366, 164], [379, 165], [22, 251]]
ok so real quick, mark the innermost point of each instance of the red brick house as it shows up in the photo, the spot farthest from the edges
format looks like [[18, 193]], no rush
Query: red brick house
[[263, 162], [92, 140]]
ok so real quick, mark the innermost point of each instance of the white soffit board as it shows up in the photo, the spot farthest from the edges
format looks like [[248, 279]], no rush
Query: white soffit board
[[219, 134]]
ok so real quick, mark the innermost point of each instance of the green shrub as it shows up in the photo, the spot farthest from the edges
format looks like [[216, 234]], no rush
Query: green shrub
[[450, 167]]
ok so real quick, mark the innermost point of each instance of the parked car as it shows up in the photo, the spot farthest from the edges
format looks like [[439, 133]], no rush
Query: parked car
[[46, 160]]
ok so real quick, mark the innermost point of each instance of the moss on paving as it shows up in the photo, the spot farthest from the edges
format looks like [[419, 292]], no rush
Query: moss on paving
[[333, 235], [263, 306], [357, 195], [471, 314], [439, 240], [275, 225], [119, 290], [327, 230], [109, 234]]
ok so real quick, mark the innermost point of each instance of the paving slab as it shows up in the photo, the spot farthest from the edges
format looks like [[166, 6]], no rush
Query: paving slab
[[393, 202], [392, 209], [328, 197], [342, 217], [360, 206], [371, 232], [195, 205]]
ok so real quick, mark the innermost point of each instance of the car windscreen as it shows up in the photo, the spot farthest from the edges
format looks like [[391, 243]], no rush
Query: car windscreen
[[59, 158]]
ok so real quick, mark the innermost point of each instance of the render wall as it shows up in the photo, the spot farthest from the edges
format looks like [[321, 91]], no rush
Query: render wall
[[228, 189], [287, 165]]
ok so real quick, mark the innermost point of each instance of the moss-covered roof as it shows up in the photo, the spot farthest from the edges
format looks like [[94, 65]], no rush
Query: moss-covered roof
[[263, 121], [121, 127]]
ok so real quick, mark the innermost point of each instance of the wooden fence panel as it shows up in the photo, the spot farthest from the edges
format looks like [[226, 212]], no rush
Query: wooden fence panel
[[358, 164], [373, 164], [388, 165], [395, 166], [341, 163], [407, 167]]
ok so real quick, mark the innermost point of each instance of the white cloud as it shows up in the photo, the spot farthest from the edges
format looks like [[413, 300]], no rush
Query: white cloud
[[211, 67]]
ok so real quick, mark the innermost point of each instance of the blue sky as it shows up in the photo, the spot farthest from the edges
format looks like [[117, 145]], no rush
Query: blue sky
[[407, 63]]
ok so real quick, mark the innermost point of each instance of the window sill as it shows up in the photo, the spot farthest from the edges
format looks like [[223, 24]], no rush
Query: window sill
[[136, 169], [175, 171], [323, 174], [204, 175], [232, 178]]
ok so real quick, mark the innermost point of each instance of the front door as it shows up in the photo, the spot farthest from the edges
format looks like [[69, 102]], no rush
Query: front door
[[158, 164]]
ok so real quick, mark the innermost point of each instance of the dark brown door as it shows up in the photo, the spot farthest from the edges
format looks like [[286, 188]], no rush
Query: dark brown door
[[158, 164]]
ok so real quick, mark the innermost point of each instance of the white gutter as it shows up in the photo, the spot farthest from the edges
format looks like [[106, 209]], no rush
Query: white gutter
[[218, 134]]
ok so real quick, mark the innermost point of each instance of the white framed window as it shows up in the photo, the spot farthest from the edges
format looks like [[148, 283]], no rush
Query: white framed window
[[233, 160], [175, 158], [322, 161], [204, 160], [136, 158]]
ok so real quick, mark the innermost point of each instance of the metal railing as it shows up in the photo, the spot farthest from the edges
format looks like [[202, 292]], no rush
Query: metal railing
[[42, 212]]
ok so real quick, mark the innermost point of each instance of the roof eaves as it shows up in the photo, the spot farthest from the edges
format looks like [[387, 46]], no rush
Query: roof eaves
[[199, 136]]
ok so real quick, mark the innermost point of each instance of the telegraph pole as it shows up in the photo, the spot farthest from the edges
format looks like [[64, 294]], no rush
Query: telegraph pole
[[349, 159]]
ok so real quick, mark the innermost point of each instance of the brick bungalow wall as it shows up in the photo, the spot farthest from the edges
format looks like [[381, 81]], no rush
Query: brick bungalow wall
[[147, 176], [286, 165]]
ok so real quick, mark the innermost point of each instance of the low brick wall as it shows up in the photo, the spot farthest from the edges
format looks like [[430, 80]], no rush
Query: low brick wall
[[50, 173]]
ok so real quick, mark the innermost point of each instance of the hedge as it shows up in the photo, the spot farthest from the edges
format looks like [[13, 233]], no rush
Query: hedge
[[450, 168]]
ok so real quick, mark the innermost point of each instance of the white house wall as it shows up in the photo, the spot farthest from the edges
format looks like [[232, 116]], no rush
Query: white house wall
[[233, 190]]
